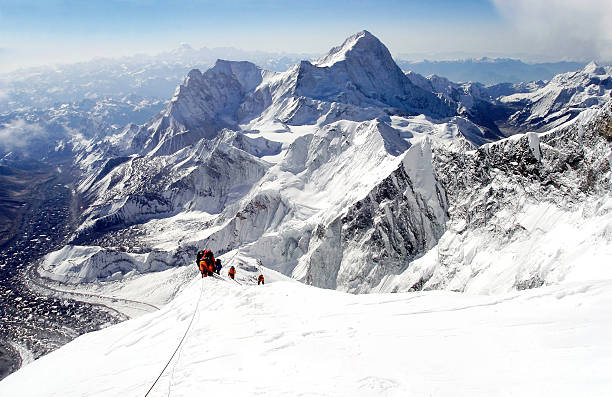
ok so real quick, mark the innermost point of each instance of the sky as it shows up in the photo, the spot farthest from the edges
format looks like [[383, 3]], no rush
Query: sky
[[59, 31]]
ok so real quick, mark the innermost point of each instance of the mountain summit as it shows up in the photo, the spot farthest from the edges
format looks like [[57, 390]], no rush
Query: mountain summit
[[356, 45], [366, 62]]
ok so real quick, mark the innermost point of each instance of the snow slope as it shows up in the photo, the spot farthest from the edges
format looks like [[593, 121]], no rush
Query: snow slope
[[286, 338]]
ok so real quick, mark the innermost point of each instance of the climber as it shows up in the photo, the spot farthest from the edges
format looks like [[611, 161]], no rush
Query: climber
[[207, 263], [260, 279], [231, 272], [199, 257], [202, 266], [218, 266]]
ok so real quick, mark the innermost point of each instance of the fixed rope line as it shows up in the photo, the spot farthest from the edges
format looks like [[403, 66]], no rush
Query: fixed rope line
[[178, 358], [180, 343], [233, 256]]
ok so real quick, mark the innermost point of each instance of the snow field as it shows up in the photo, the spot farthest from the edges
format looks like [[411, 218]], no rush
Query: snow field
[[286, 338]]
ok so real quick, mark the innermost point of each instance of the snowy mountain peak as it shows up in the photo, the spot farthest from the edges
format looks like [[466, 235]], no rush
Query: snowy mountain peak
[[594, 68], [361, 71], [193, 74], [246, 73], [356, 45]]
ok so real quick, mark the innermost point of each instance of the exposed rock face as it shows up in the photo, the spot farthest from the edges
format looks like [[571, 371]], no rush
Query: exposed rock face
[[401, 217], [512, 207]]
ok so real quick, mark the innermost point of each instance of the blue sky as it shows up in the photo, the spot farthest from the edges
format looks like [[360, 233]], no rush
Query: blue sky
[[64, 30]]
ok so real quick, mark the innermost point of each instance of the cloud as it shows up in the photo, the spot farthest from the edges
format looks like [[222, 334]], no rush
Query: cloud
[[18, 134], [561, 28]]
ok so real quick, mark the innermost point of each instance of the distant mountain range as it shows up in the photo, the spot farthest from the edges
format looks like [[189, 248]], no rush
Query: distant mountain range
[[154, 77], [490, 70]]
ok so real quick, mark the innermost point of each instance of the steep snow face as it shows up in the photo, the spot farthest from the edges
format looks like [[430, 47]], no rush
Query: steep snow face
[[400, 218], [528, 211], [277, 339], [562, 98]]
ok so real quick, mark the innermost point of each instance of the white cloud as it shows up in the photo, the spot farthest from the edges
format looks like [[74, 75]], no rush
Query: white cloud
[[19, 133], [562, 28]]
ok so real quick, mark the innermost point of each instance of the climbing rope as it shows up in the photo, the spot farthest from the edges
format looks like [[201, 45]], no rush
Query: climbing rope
[[178, 358], [180, 343], [187, 330]]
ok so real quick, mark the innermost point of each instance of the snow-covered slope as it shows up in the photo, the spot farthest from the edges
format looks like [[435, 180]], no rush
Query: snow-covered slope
[[290, 339], [531, 210]]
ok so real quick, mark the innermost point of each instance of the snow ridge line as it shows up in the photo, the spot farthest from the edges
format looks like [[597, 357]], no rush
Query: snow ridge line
[[180, 343]]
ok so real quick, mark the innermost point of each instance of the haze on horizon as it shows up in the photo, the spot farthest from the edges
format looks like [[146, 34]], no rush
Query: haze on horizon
[[61, 31]]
